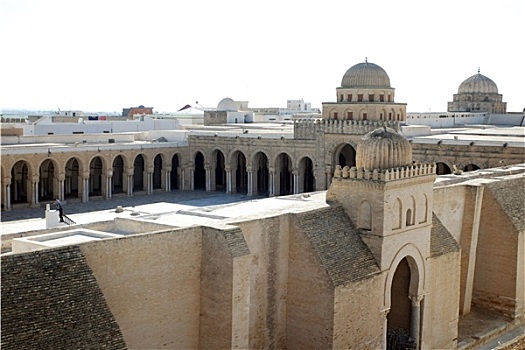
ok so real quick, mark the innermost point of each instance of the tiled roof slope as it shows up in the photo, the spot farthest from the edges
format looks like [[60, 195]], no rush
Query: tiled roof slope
[[51, 300], [441, 241], [510, 195], [337, 243]]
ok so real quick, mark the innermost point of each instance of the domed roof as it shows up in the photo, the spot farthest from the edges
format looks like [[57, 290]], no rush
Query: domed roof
[[365, 74], [227, 104], [478, 83], [383, 148]]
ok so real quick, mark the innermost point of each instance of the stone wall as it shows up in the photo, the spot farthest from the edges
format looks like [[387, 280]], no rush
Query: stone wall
[[152, 285], [51, 300]]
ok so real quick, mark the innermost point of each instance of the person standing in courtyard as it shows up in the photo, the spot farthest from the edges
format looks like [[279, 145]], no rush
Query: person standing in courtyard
[[60, 209]]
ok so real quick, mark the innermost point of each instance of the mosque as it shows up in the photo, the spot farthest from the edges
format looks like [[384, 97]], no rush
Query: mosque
[[359, 244]]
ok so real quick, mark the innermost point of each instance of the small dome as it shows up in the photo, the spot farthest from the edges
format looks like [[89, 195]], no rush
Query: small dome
[[227, 104], [383, 148], [365, 74], [478, 83]]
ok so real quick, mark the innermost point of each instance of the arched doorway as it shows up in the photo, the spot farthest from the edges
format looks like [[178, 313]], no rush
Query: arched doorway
[[470, 167], [199, 175], [306, 175], [138, 173], [72, 181], [220, 172], [239, 172], [19, 183], [157, 172], [46, 186], [345, 156], [261, 174], [442, 169], [283, 170], [399, 318], [117, 180], [95, 177], [175, 172]]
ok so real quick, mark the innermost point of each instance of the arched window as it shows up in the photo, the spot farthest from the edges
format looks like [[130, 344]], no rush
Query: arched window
[[409, 221]]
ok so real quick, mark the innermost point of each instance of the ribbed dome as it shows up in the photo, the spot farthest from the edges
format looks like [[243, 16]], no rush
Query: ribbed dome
[[365, 74], [478, 83], [383, 148], [227, 104]]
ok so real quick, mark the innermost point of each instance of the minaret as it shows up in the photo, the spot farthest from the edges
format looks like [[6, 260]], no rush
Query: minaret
[[387, 196]]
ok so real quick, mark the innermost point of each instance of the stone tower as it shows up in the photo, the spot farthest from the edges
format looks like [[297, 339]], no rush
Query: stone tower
[[387, 196], [365, 94]]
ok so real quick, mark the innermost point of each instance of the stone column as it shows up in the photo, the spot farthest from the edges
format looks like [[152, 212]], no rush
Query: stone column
[[85, 187], [129, 181], [295, 173], [384, 315], [61, 195], [34, 190], [208, 177], [250, 181], [149, 181], [415, 316], [109, 176], [328, 172], [192, 178], [228, 179], [271, 182], [167, 178], [6, 195]]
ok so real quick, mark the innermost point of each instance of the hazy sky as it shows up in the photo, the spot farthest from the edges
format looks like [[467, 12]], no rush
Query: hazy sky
[[104, 55]]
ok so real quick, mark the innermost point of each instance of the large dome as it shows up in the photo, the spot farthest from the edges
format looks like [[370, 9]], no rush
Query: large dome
[[227, 104], [383, 148], [366, 74], [478, 83]]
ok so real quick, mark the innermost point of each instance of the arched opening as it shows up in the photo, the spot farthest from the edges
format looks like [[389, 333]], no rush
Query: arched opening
[[175, 172], [399, 316], [47, 181], [345, 156], [95, 177], [283, 168], [470, 167], [241, 176], [117, 180], [442, 169], [138, 173], [397, 214], [220, 172], [72, 180], [19, 183], [364, 220], [157, 172], [306, 171], [261, 174], [199, 175]]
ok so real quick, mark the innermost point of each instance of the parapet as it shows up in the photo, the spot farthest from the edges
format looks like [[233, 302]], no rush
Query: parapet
[[306, 129], [384, 175]]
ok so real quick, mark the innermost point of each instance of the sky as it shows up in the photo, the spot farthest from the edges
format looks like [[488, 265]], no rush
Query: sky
[[105, 55]]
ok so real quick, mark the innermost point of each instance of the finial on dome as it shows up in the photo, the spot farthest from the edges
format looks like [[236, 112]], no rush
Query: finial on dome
[[383, 123], [478, 70], [366, 59]]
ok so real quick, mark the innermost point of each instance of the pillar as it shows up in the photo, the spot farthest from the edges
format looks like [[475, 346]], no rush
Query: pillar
[[271, 182], [85, 187], [208, 177], [167, 178], [129, 181], [61, 195], [415, 316], [384, 315], [109, 176], [6, 195], [192, 178], [250, 181], [34, 191], [228, 179], [295, 173]]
